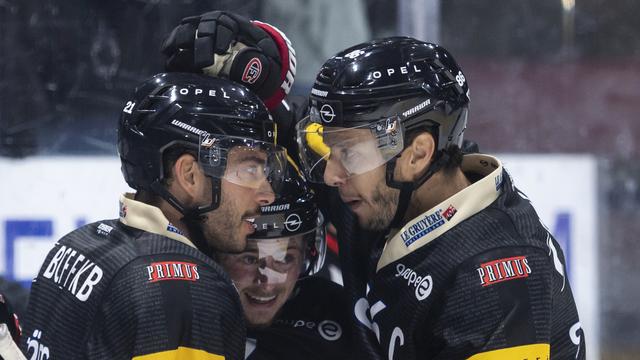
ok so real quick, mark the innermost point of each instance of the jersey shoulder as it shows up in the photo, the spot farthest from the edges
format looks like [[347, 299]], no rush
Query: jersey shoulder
[[178, 302]]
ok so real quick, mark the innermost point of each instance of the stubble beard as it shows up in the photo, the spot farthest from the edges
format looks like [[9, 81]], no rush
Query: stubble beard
[[384, 202], [222, 229]]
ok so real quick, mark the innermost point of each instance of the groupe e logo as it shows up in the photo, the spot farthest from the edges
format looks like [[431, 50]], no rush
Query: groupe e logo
[[423, 284]]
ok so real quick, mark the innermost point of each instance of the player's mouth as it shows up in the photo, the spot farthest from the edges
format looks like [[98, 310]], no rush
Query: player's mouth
[[261, 300], [353, 203], [248, 224]]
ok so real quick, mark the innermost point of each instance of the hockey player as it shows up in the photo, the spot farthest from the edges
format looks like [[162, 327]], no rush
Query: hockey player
[[457, 263], [200, 152], [287, 317], [289, 314]]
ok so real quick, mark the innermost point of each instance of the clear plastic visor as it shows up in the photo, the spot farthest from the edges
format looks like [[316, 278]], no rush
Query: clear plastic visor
[[245, 162], [356, 150]]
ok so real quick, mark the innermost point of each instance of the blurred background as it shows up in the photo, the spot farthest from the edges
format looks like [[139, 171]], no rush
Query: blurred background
[[555, 88]]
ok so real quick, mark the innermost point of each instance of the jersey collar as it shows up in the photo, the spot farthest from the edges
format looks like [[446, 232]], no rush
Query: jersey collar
[[148, 218], [433, 223]]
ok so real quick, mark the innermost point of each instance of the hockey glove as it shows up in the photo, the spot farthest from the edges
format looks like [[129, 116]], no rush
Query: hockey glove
[[9, 332], [224, 44]]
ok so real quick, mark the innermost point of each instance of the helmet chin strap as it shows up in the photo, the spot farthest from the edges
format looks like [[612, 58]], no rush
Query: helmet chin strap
[[407, 188], [193, 218]]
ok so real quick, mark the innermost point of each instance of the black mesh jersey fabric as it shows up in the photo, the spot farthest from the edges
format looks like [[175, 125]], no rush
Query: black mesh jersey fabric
[[495, 281], [109, 291], [313, 325]]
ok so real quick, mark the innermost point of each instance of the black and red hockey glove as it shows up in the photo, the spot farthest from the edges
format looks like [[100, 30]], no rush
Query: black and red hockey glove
[[224, 44]]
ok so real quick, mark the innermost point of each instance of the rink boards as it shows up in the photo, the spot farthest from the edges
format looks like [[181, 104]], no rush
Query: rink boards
[[44, 198]]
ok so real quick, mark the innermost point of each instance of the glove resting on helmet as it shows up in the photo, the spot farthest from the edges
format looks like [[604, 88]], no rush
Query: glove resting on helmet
[[224, 44]]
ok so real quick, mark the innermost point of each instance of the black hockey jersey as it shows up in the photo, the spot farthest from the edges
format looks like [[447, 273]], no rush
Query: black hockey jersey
[[133, 288], [313, 324], [476, 277]]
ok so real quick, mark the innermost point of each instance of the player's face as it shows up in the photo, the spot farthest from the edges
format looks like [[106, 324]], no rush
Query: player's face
[[265, 275], [232, 221], [366, 193]]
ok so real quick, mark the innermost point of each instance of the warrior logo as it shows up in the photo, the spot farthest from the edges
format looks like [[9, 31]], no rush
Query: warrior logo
[[293, 222], [274, 208], [327, 113], [252, 71], [207, 141]]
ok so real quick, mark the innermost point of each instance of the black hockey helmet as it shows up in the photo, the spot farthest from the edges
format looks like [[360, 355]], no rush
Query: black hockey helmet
[[383, 89], [294, 215], [206, 116]]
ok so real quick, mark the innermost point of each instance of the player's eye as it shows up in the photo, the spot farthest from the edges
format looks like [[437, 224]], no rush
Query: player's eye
[[249, 259]]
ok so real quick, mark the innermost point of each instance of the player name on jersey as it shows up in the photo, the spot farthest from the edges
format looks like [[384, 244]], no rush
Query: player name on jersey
[[172, 270], [503, 269], [74, 272]]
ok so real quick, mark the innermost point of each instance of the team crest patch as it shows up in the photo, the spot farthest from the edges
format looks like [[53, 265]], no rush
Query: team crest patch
[[500, 270], [172, 270], [448, 214], [252, 71]]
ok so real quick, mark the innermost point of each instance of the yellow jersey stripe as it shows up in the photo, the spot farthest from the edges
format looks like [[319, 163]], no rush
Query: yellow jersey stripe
[[181, 353], [524, 352]]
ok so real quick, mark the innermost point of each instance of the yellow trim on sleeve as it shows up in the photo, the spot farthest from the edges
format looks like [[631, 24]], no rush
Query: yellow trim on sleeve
[[524, 352], [182, 353]]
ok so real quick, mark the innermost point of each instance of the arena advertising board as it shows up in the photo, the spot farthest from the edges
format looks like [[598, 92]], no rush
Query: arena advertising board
[[43, 198]]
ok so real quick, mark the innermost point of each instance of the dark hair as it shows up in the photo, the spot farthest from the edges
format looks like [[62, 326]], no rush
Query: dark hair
[[169, 158]]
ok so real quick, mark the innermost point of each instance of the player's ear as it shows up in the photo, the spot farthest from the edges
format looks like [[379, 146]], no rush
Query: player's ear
[[416, 157], [188, 178]]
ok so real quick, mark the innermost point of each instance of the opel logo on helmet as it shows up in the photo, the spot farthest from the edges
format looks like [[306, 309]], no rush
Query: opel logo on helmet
[[292, 222], [326, 113]]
